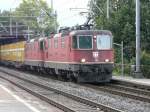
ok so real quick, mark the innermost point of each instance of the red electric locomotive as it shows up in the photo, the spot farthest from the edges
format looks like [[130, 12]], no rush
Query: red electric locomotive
[[84, 55]]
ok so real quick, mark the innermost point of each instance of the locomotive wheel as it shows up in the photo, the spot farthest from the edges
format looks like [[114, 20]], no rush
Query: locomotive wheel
[[62, 75], [75, 77], [65, 78], [71, 78], [62, 78]]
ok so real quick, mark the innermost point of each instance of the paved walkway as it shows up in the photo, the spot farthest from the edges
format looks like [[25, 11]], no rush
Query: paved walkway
[[142, 81], [10, 102]]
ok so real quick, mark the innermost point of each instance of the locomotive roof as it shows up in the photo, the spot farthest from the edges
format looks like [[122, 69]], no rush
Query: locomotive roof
[[89, 32]]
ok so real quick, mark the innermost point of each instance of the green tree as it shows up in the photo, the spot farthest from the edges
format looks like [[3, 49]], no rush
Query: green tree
[[122, 22], [38, 16], [145, 64]]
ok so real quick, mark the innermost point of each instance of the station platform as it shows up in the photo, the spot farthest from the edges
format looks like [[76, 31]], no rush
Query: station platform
[[15, 99], [136, 81], [10, 102]]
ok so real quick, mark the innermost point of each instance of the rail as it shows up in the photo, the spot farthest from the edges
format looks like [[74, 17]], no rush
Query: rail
[[95, 105]]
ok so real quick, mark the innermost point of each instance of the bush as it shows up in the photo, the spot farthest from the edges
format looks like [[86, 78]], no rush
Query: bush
[[145, 62]]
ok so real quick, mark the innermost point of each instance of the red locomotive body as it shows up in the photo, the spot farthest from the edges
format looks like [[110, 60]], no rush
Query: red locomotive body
[[34, 54], [84, 55]]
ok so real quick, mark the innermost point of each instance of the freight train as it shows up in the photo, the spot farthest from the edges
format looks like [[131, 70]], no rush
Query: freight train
[[81, 55]]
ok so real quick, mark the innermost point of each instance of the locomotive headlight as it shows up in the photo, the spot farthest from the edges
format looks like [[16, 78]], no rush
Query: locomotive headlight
[[95, 37], [83, 60], [106, 60]]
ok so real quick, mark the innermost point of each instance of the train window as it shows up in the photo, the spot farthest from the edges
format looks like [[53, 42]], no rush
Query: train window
[[103, 42], [85, 42], [41, 45], [74, 42], [62, 42], [49, 43], [55, 43], [82, 42]]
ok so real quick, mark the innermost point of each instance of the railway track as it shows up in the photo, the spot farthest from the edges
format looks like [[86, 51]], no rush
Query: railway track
[[63, 100], [123, 90]]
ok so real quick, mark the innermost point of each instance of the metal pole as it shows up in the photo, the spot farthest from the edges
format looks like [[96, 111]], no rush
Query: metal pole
[[10, 26], [107, 9], [122, 61], [16, 29], [138, 73], [52, 5], [138, 36], [55, 21], [10, 23], [97, 6]]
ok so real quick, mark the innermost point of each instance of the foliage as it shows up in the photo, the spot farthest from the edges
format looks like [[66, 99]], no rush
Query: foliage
[[122, 24], [33, 13], [122, 20], [145, 61], [42, 15]]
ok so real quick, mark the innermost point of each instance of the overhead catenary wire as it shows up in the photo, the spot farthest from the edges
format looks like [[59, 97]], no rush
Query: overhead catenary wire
[[66, 18]]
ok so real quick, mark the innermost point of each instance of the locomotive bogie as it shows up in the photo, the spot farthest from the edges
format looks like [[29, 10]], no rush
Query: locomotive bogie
[[94, 73]]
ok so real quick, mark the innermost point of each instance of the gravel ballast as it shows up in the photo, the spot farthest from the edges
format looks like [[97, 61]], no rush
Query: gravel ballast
[[122, 103]]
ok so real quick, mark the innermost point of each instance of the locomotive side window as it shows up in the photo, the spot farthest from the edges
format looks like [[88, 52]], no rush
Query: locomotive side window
[[85, 42], [55, 43], [104, 42], [62, 42], [41, 45], [74, 42]]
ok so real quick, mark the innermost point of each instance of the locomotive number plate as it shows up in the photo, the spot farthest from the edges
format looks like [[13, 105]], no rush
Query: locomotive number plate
[[95, 54]]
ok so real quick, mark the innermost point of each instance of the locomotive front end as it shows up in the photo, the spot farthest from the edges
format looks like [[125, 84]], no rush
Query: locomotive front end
[[92, 54]]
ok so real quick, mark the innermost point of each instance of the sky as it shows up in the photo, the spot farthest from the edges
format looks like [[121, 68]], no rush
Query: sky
[[66, 16]]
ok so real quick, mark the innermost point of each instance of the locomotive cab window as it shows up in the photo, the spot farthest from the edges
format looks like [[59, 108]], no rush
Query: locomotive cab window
[[104, 42], [41, 45], [82, 42], [74, 42]]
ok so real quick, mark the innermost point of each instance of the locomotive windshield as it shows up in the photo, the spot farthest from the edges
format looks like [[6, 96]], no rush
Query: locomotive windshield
[[85, 42], [82, 42], [104, 42]]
